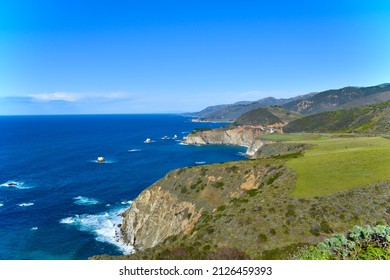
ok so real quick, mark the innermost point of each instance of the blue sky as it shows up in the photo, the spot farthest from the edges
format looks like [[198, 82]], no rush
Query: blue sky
[[83, 57]]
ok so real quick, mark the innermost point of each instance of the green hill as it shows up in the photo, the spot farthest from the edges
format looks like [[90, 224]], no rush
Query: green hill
[[365, 119], [230, 112], [267, 116]]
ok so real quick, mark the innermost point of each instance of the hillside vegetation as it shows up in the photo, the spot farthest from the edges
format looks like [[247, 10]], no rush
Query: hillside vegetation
[[230, 112], [256, 209], [365, 119], [339, 164], [359, 243], [267, 116]]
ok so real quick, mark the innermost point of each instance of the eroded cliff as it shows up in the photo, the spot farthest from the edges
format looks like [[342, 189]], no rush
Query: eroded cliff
[[241, 210], [247, 136]]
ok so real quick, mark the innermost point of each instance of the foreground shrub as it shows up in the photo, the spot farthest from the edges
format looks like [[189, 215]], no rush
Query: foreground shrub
[[360, 243]]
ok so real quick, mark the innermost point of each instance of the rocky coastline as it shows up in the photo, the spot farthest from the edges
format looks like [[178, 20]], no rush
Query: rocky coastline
[[246, 136]]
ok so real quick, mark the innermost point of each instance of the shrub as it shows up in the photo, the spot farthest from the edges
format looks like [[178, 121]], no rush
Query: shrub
[[219, 185], [252, 192], [263, 238], [362, 243]]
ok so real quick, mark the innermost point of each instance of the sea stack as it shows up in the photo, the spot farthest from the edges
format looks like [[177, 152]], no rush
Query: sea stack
[[100, 159]]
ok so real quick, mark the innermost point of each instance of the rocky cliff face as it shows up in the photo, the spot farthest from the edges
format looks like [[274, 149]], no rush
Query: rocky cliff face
[[155, 215], [246, 136], [174, 204]]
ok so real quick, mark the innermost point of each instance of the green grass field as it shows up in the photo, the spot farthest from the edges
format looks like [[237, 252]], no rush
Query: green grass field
[[295, 137], [337, 164]]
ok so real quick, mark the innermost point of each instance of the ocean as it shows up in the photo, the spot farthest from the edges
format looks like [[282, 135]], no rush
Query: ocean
[[57, 202]]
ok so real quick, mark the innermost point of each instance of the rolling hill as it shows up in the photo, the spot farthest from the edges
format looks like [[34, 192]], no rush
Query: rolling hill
[[373, 119], [230, 112], [267, 116]]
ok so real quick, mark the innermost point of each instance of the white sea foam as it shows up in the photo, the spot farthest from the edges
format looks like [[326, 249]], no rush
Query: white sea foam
[[182, 143], [200, 162], [104, 226], [241, 154], [82, 200], [126, 202], [34, 228], [16, 184], [1, 204], [134, 150], [104, 162], [25, 204]]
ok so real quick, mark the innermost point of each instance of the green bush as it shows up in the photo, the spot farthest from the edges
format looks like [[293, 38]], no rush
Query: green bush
[[360, 243]]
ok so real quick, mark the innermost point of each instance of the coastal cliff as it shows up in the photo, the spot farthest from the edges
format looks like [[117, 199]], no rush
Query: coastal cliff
[[241, 210], [155, 215], [175, 203], [246, 136]]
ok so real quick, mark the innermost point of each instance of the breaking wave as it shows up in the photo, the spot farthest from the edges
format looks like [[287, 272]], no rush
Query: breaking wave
[[26, 204], [82, 200], [104, 226], [16, 184]]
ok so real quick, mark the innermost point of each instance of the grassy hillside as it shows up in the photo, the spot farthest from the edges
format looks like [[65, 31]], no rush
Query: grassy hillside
[[269, 208], [365, 119], [267, 116], [335, 165]]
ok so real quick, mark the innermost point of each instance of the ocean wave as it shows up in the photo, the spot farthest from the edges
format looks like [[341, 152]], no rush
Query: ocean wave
[[82, 200], [104, 226], [34, 228], [104, 162], [16, 184], [241, 154], [182, 143], [1, 204], [26, 204], [200, 162], [134, 150], [126, 202]]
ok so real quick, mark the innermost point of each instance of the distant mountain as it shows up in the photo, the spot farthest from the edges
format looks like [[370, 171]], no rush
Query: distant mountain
[[309, 104], [374, 118], [230, 112], [267, 116], [347, 97]]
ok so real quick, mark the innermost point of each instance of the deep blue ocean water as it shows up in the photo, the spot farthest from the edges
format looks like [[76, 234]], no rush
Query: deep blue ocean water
[[57, 202]]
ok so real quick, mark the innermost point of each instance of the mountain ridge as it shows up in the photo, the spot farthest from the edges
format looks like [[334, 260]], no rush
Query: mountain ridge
[[307, 104]]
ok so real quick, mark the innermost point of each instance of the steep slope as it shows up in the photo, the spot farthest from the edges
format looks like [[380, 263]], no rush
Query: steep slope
[[267, 116], [347, 97], [365, 119], [230, 112]]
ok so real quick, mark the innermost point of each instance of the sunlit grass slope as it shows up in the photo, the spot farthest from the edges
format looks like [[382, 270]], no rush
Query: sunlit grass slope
[[338, 164]]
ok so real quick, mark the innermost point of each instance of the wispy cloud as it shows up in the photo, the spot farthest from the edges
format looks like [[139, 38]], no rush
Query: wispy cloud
[[74, 97], [55, 96]]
